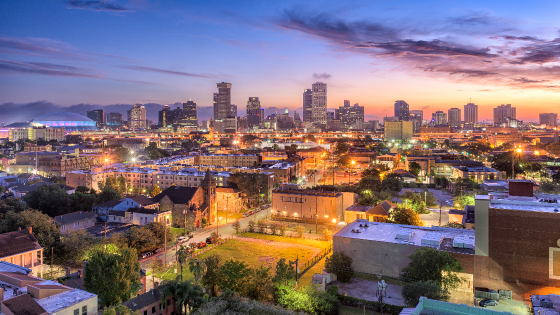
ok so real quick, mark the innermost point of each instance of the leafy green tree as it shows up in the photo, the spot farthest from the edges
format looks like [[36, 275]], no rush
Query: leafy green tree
[[140, 238], [502, 162], [414, 168], [370, 184], [344, 161], [341, 265], [118, 310], [412, 291], [159, 232], [44, 228], [82, 189], [441, 181], [259, 284], [406, 216], [187, 297], [82, 201], [251, 185], [231, 303], [182, 255], [74, 244], [197, 268], [155, 191], [113, 277], [307, 300], [371, 172], [340, 148], [157, 265], [212, 278], [237, 226], [107, 194], [233, 276], [11, 204], [49, 199], [393, 182], [121, 155], [285, 272], [427, 263], [466, 199]]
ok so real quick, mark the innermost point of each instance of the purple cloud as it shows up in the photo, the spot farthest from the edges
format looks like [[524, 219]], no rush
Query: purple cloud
[[96, 5]]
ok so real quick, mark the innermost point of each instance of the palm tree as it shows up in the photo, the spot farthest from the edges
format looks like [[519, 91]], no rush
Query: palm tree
[[198, 269], [185, 296], [182, 255]]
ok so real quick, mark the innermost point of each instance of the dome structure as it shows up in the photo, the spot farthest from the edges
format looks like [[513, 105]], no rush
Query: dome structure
[[70, 121]]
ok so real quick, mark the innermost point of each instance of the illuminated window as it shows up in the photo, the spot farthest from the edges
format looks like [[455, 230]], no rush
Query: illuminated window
[[554, 263]]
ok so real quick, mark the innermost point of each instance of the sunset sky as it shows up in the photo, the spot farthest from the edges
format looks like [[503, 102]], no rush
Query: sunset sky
[[432, 54]]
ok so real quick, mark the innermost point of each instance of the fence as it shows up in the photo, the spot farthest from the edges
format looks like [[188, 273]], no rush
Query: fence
[[487, 295], [207, 248], [299, 220], [310, 263]]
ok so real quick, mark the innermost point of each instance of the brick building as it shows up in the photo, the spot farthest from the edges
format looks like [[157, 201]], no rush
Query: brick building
[[187, 205]]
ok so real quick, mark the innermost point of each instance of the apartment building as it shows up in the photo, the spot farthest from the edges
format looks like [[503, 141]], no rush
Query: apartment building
[[290, 202], [187, 177], [21, 248], [229, 160], [476, 173]]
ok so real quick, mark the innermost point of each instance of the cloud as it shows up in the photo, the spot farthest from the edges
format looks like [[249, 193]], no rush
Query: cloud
[[322, 76], [181, 73], [40, 47], [525, 80], [424, 107], [44, 68], [450, 48], [96, 5]]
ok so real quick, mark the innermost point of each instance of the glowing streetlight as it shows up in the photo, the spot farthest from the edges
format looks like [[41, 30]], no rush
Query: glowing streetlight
[[333, 220]]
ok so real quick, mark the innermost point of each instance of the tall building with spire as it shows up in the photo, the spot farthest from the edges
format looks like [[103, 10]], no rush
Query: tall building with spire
[[319, 103]]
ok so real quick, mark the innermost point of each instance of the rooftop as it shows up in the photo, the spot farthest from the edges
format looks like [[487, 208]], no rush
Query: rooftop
[[74, 217], [447, 239], [12, 243], [546, 304]]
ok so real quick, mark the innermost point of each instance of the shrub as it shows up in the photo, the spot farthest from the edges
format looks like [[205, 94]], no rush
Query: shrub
[[341, 265], [412, 291], [261, 225], [300, 229], [251, 226], [283, 228]]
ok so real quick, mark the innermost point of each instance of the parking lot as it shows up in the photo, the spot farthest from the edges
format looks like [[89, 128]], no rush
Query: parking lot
[[511, 306]]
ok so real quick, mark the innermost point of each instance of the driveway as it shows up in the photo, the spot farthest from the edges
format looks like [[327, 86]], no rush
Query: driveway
[[366, 290]]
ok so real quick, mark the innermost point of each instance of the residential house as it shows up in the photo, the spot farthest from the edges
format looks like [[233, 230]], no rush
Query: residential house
[[22, 249], [378, 213], [23, 189], [143, 216], [124, 204], [29, 295], [75, 221], [151, 303]]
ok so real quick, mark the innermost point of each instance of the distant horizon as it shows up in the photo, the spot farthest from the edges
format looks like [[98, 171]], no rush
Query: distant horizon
[[434, 55]]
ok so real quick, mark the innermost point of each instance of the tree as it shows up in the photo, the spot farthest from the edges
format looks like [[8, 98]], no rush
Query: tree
[[182, 255], [82, 201], [427, 263], [466, 199], [258, 285], [237, 226], [121, 155], [406, 216], [11, 204], [107, 194], [441, 181], [159, 232], [340, 148], [49, 199], [233, 276], [285, 272], [341, 265], [157, 266], [307, 300], [553, 148], [45, 230], [300, 229], [118, 310], [370, 184], [82, 189], [254, 186], [74, 244], [113, 277], [291, 149], [414, 168], [155, 191], [547, 187], [197, 268], [186, 296], [371, 172], [140, 238], [502, 162], [230, 303], [412, 291], [393, 182], [211, 278]]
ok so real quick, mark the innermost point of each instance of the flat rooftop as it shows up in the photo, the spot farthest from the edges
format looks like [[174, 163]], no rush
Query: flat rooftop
[[441, 238], [537, 203]]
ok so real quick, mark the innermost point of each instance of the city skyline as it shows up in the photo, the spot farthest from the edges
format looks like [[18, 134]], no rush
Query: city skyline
[[506, 55]]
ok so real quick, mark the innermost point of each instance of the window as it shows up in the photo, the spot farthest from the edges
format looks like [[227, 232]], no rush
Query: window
[[168, 302], [77, 311], [153, 309], [554, 262], [84, 310], [146, 312]]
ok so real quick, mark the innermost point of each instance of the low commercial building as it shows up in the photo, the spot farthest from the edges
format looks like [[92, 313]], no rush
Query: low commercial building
[[291, 203], [21, 248], [34, 133], [30, 295], [229, 200], [400, 131], [75, 221], [476, 173]]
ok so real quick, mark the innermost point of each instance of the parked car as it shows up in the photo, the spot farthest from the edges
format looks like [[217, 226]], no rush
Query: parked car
[[201, 245], [488, 302], [210, 240], [145, 255], [159, 250]]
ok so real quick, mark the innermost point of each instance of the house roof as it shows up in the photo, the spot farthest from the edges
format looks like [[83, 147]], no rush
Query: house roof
[[12, 243], [358, 208], [142, 210], [143, 300], [74, 217], [178, 194], [109, 204], [382, 209], [143, 201], [24, 305]]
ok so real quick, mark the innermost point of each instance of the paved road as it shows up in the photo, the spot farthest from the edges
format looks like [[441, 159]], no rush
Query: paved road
[[225, 230]]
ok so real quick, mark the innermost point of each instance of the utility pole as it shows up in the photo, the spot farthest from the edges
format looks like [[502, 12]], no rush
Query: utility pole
[[52, 262], [165, 241], [105, 245], [316, 215], [440, 204]]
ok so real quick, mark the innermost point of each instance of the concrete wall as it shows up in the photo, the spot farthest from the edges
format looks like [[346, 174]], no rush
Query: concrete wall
[[91, 305]]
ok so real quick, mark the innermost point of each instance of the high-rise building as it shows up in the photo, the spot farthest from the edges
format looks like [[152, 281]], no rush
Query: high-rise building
[[439, 118], [136, 117], [549, 119], [504, 113], [224, 122], [232, 111], [296, 117], [454, 117], [398, 131], [401, 110], [471, 114], [190, 118], [416, 116], [177, 115], [307, 105], [262, 115], [350, 116], [165, 117], [114, 120], [253, 112], [319, 104], [98, 116]]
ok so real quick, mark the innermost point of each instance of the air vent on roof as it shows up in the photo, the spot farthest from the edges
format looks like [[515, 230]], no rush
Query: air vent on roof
[[555, 210]]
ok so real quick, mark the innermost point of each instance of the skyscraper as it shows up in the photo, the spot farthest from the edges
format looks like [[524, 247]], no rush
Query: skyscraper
[[417, 116], [350, 116], [224, 122], [165, 117], [307, 105], [504, 113], [114, 120], [471, 114], [232, 111], [253, 111], [98, 116], [190, 118], [454, 116], [549, 119], [401, 110], [439, 118], [136, 117], [319, 104]]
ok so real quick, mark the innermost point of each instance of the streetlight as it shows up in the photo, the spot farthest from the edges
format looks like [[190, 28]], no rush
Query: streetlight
[[165, 240], [518, 150]]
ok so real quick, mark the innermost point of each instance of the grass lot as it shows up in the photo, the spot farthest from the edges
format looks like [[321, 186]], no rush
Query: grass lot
[[177, 231], [317, 268], [231, 216], [300, 241]]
